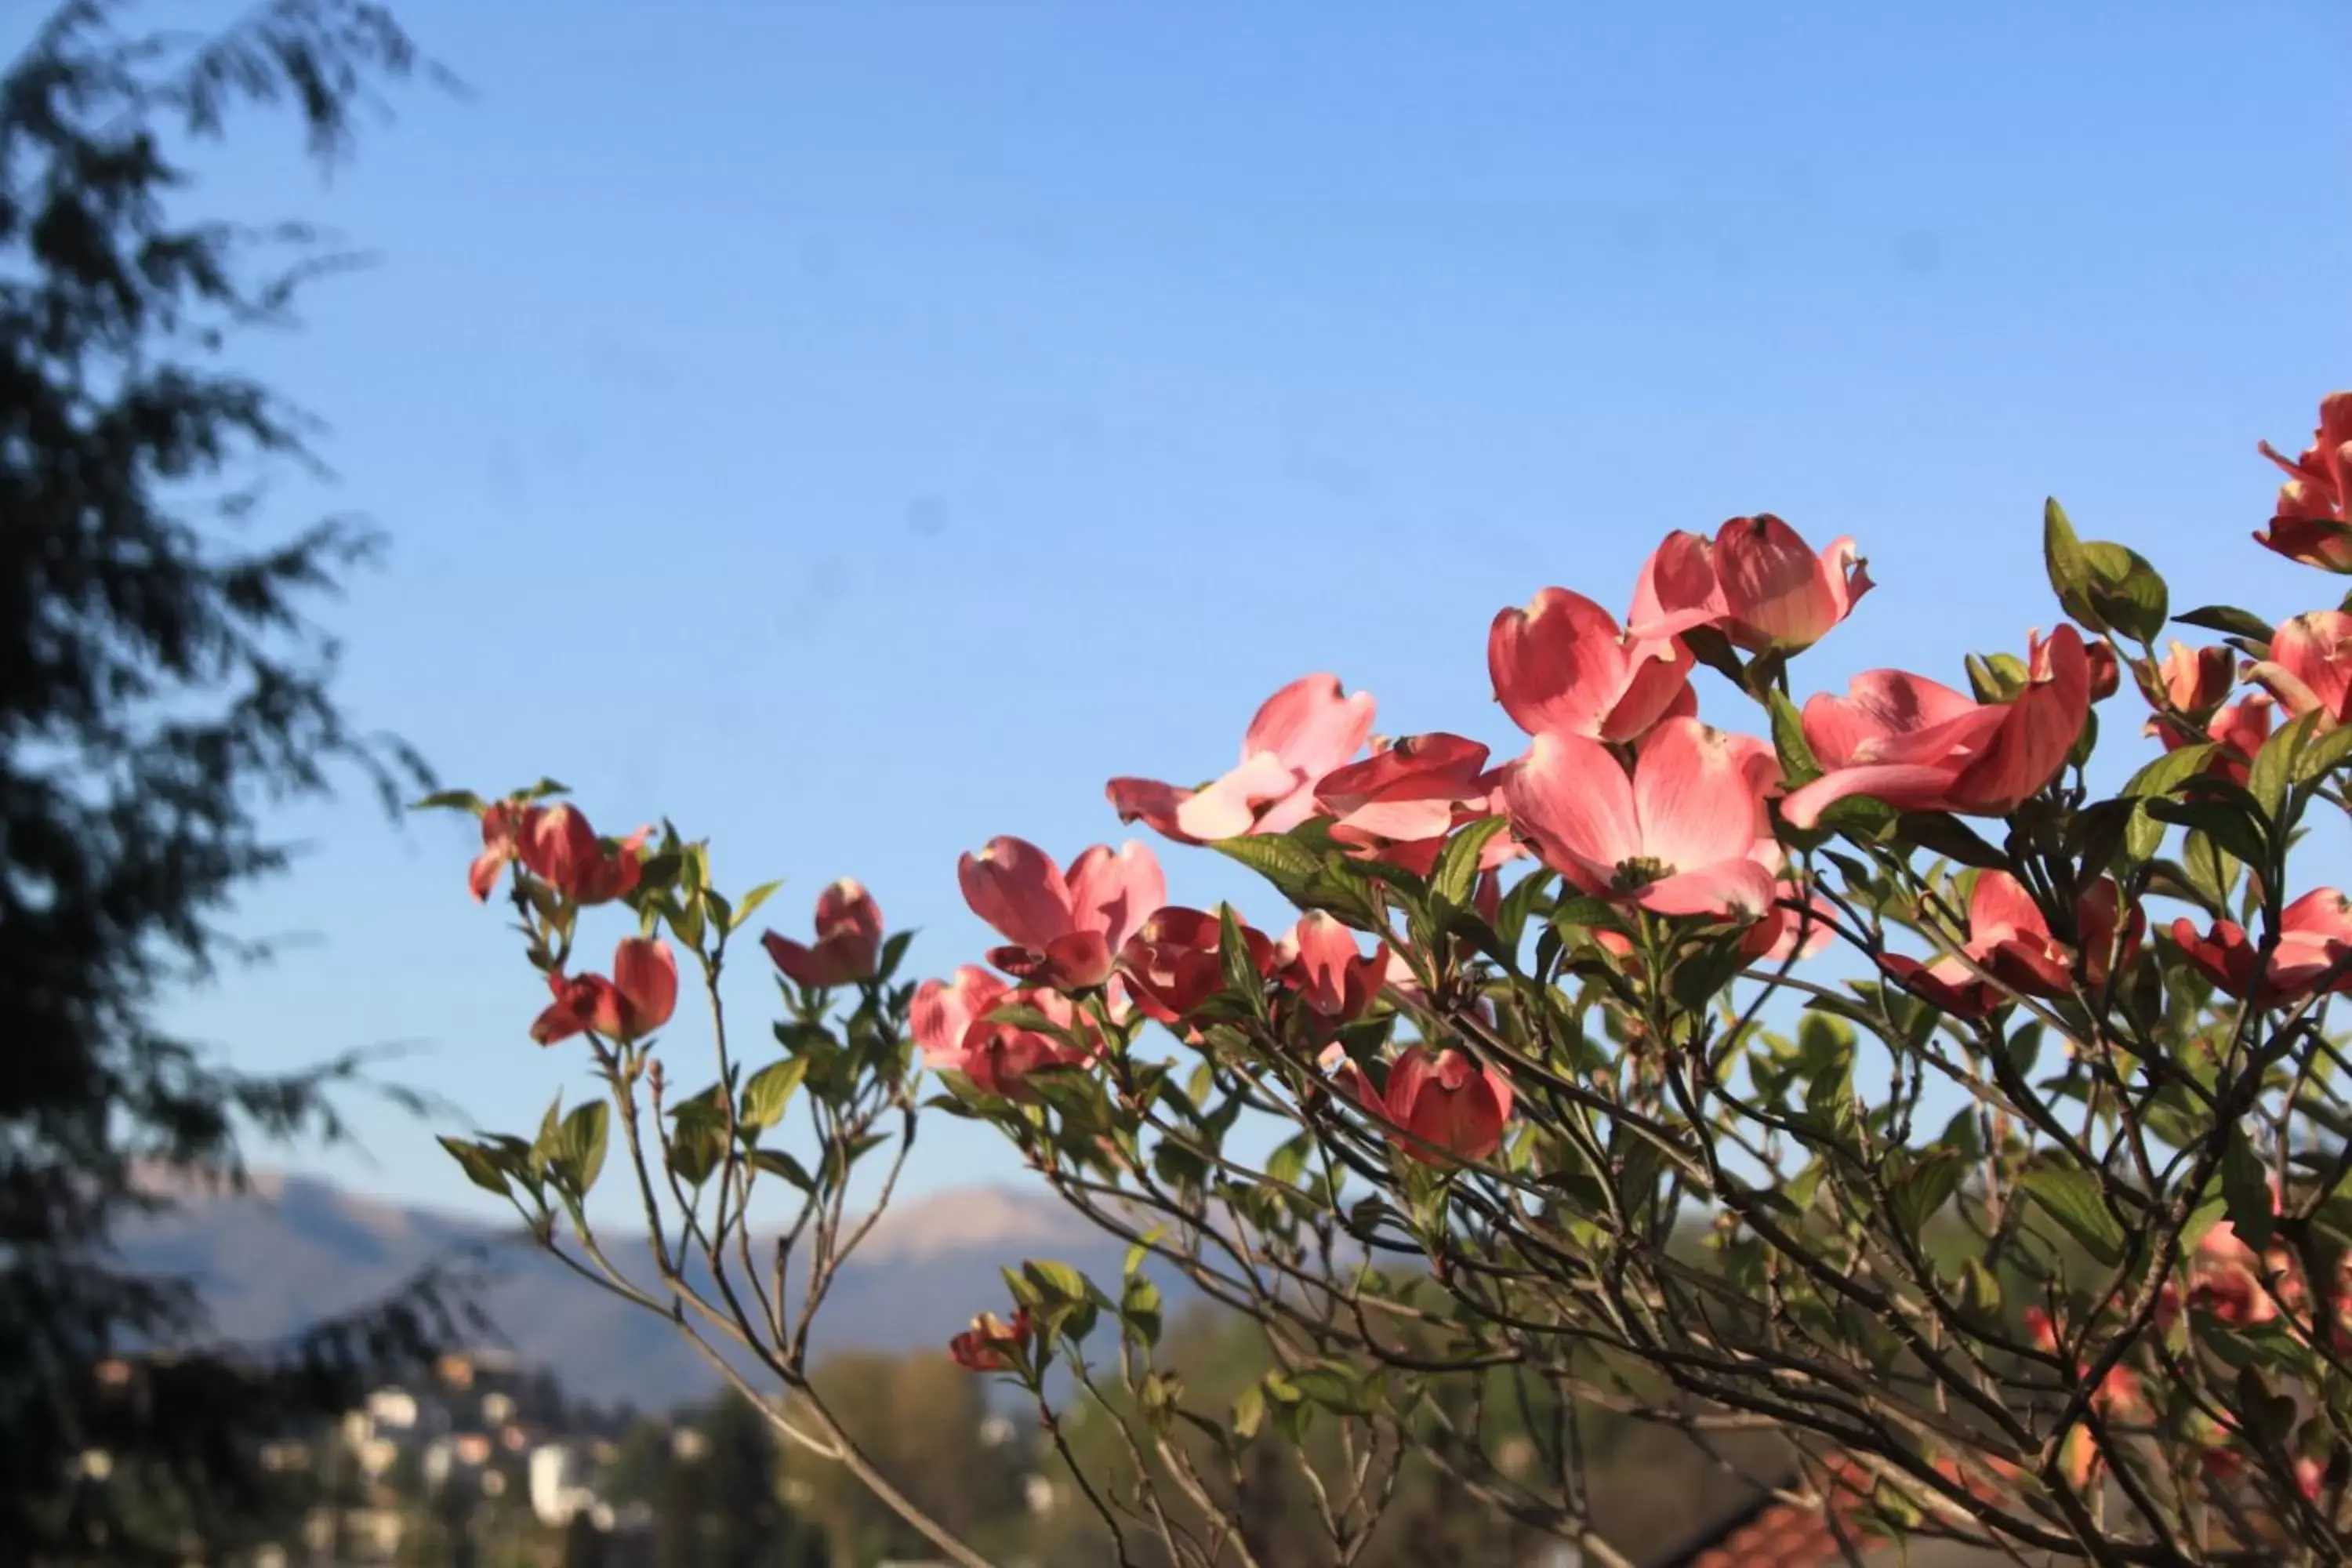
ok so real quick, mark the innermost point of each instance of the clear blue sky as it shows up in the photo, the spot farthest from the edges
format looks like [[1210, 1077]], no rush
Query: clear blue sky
[[858, 429]]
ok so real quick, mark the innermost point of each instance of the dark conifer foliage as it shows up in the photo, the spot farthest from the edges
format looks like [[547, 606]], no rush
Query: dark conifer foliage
[[162, 691]]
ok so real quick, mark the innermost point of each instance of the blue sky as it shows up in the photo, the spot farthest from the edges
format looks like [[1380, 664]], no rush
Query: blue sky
[[857, 430]]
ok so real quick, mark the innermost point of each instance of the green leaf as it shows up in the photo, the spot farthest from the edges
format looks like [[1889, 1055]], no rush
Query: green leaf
[[1242, 978], [770, 1093], [1921, 1192], [2324, 755], [480, 1168], [776, 1163], [1054, 1281], [1941, 833], [2246, 1190], [450, 800], [583, 1144], [1797, 759], [2069, 570], [1330, 1387], [1457, 863], [2128, 593], [2156, 781], [1288, 1163], [1249, 1412], [2234, 822], [2074, 1198], [1998, 679], [751, 902], [2212, 871], [1290, 869], [2228, 619], [2276, 764]]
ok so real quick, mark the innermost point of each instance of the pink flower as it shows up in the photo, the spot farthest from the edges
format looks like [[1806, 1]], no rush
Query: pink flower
[[1174, 962], [503, 825], [1759, 580], [1920, 746], [638, 999], [1448, 1106], [1684, 835], [2310, 667], [998, 1055], [944, 1010], [1327, 972], [1401, 804], [991, 1343], [952, 1021], [1563, 667], [848, 940], [2315, 935], [1062, 931], [1300, 733], [1785, 933], [2312, 522], [557, 847], [2009, 939], [2198, 679], [1776, 592], [2238, 731], [2106, 673]]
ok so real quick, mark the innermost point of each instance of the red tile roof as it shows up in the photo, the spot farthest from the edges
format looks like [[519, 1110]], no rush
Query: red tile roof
[[1782, 1534]]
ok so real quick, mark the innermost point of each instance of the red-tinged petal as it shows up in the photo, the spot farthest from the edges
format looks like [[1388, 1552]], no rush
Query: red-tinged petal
[[944, 1010], [1728, 890], [1231, 806], [1455, 1109], [645, 976], [1677, 590], [1407, 792], [2198, 679], [798, 962], [1324, 955], [1559, 666], [2304, 533], [1777, 591], [482, 876], [1113, 890], [2038, 730], [1311, 726], [1657, 687], [1573, 803], [1151, 803], [1999, 906], [1016, 887], [1695, 796], [1946, 984], [1787, 934], [559, 848], [1879, 707], [1077, 961], [2224, 956], [849, 923], [1913, 787], [2310, 665]]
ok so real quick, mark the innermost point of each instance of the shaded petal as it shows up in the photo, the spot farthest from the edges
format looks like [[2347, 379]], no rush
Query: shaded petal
[[1909, 787], [1113, 891], [1558, 666], [1570, 800], [1153, 803], [1311, 725], [1693, 796], [1730, 890], [1016, 887], [1228, 808]]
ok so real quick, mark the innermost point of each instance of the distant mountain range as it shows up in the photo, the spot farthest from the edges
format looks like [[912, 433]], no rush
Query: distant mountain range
[[292, 1250]]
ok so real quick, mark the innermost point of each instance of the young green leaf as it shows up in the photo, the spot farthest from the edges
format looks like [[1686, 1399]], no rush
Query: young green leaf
[[2073, 1198]]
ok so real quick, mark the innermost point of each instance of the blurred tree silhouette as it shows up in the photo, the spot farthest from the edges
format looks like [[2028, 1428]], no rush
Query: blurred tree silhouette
[[158, 687]]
